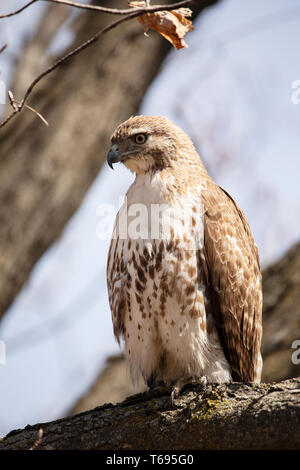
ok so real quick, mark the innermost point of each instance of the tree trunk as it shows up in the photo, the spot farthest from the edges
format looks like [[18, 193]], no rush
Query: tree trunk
[[227, 416], [281, 316], [45, 172]]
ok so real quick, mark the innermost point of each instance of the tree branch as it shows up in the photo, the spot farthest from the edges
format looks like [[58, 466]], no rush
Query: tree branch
[[226, 416], [3, 48], [133, 13], [113, 11], [16, 12]]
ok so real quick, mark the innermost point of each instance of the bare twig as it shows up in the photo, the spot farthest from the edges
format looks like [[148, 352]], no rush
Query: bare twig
[[15, 105], [18, 106], [113, 11], [37, 113], [20, 9], [12, 100], [3, 48]]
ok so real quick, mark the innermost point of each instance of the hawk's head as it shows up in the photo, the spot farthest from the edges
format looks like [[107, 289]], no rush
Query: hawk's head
[[150, 143]]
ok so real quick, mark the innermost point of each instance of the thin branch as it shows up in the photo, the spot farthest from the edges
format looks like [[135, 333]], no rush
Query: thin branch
[[12, 100], [37, 113], [16, 105], [7, 15], [113, 11], [3, 48], [9, 117], [133, 14]]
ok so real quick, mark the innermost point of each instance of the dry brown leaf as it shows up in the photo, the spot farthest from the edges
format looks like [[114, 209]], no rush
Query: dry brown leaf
[[172, 25]]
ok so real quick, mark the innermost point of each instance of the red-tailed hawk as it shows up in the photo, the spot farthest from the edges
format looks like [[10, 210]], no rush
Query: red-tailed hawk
[[183, 273]]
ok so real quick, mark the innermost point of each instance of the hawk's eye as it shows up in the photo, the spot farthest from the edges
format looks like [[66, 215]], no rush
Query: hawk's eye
[[140, 138]]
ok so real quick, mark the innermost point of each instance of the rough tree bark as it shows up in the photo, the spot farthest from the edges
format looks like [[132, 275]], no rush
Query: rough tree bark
[[232, 416], [45, 172]]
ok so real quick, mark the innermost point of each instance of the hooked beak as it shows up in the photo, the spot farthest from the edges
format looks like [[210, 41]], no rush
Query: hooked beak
[[114, 156]]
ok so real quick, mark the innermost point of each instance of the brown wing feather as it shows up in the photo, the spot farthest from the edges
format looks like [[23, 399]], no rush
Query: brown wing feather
[[234, 280], [116, 282]]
